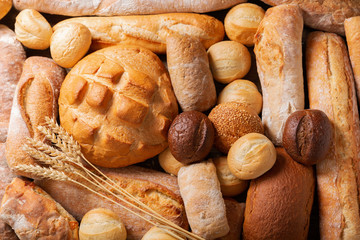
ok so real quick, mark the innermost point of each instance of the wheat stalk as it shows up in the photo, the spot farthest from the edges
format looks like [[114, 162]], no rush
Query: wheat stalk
[[68, 161]]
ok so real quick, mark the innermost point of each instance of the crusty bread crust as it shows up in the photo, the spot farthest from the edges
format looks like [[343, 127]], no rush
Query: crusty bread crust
[[331, 89]]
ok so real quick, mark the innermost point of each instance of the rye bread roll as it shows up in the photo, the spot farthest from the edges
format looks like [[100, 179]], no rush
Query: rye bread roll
[[278, 203]]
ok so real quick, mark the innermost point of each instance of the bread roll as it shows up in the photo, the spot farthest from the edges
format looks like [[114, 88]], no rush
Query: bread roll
[[235, 215], [101, 223], [352, 31], [69, 43], [36, 97], [242, 21], [278, 203], [33, 214], [323, 15], [126, 7], [204, 204], [6, 177], [331, 89], [169, 163], [190, 73], [158, 190], [150, 31], [12, 57], [279, 64], [33, 30], [231, 121], [118, 104], [5, 6], [156, 233]]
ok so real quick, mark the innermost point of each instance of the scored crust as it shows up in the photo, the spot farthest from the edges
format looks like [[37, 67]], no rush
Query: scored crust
[[118, 104]]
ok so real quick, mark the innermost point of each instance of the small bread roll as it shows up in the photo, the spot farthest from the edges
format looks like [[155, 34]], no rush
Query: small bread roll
[[69, 43], [101, 223], [156, 233], [242, 21], [231, 121], [230, 185], [169, 163], [229, 60], [242, 91], [33, 30], [5, 6], [251, 156]]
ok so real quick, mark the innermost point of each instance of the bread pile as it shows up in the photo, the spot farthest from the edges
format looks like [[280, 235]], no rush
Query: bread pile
[[223, 124]]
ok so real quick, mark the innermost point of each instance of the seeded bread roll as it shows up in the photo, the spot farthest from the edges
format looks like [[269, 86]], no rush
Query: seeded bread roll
[[278, 204], [150, 31], [190, 73], [279, 64]]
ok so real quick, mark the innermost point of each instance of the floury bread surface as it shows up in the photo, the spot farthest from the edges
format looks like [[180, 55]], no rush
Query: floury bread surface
[[279, 64], [123, 7], [332, 90], [150, 31], [118, 104]]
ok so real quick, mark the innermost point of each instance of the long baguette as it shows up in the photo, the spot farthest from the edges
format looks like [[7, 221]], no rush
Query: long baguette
[[123, 7], [331, 89], [35, 98], [149, 31]]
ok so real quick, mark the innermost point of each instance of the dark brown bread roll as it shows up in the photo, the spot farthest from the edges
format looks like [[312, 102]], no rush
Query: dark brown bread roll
[[307, 136], [191, 137], [278, 203]]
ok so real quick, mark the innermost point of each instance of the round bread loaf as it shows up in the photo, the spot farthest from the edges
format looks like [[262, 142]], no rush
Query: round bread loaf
[[118, 104], [191, 137], [244, 92], [251, 156], [278, 204], [231, 121], [102, 223]]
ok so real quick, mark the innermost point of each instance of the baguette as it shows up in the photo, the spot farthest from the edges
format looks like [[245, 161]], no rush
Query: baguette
[[331, 89], [352, 31], [33, 214], [278, 203], [323, 15], [35, 98], [279, 64], [149, 31], [156, 189], [124, 7], [12, 57]]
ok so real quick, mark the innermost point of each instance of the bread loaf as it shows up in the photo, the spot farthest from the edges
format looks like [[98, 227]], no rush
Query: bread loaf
[[6, 177], [278, 204], [235, 216], [204, 204], [12, 57], [5, 6], [150, 31], [125, 7], [352, 31], [156, 189], [118, 104], [331, 89], [279, 64], [323, 15], [35, 98], [190, 73], [33, 214]]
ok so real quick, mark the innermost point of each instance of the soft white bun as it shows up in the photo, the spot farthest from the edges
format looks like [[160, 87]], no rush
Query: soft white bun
[[169, 163], [156, 233]]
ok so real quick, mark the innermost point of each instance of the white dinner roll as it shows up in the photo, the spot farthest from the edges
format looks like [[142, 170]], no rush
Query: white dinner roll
[[251, 156], [156, 233], [169, 163]]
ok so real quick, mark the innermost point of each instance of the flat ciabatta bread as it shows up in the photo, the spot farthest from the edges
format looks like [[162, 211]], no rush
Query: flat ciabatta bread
[[118, 104], [12, 57], [323, 15], [278, 203], [123, 7], [279, 64], [331, 89], [33, 214], [150, 31], [35, 98], [156, 189]]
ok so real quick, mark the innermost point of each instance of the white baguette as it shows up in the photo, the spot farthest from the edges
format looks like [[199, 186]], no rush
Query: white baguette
[[123, 7]]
